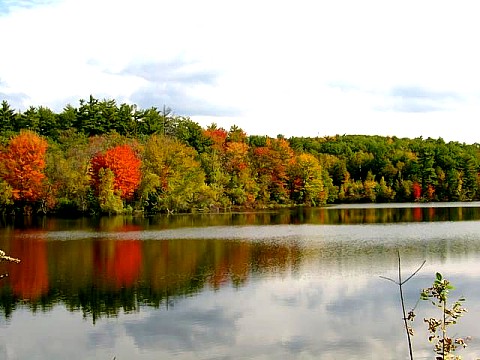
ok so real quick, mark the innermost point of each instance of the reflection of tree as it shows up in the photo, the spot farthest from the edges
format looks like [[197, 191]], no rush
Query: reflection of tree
[[117, 262], [104, 276], [101, 277], [30, 279], [126, 263], [417, 214], [239, 262], [275, 258]]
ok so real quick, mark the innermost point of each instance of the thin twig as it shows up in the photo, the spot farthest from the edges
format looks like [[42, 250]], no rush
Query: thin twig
[[400, 284], [415, 273]]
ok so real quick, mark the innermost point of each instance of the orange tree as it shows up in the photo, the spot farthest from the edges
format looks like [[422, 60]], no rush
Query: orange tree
[[22, 164]]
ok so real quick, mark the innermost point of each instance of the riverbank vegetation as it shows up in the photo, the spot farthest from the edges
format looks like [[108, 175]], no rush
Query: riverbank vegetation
[[104, 157]]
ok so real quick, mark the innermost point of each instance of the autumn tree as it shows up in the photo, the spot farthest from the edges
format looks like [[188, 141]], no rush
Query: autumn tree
[[261, 167], [67, 170], [416, 191], [22, 166], [384, 192], [212, 162], [307, 181], [226, 164], [236, 134], [241, 188], [172, 177], [369, 186], [351, 190], [109, 198], [269, 166], [124, 164]]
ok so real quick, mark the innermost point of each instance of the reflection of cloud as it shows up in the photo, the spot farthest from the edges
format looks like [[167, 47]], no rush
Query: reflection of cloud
[[332, 317], [184, 330], [104, 338], [343, 321]]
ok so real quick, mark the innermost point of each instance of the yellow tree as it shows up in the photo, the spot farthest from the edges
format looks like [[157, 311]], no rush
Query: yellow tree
[[172, 177], [306, 180]]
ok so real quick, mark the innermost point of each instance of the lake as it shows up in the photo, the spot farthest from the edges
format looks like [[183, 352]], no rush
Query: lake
[[289, 284]]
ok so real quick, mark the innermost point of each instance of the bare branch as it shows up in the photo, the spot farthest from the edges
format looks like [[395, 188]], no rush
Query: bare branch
[[416, 271]]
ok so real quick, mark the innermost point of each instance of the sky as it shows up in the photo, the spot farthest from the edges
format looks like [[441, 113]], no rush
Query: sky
[[296, 68]]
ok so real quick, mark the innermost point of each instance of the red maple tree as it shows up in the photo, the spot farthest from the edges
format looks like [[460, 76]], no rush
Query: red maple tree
[[417, 191], [125, 165]]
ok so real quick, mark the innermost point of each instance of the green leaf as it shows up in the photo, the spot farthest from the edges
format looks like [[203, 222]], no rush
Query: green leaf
[[438, 276]]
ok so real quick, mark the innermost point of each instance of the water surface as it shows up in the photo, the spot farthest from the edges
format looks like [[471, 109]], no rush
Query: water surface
[[274, 285]]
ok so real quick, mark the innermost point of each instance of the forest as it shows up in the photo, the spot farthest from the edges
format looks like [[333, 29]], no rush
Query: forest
[[107, 158]]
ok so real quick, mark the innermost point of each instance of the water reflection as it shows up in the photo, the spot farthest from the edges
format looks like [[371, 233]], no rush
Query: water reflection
[[332, 215], [103, 276], [30, 280], [255, 290]]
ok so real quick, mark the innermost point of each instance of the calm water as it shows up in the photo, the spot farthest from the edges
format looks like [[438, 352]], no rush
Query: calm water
[[276, 285]]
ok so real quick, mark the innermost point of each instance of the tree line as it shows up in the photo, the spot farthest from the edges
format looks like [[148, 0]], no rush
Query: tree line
[[101, 157]]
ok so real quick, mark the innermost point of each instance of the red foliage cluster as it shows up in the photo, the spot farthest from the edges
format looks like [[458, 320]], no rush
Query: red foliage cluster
[[218, 136], [124, 164], [417, 191], [272, 161], [23, 162]]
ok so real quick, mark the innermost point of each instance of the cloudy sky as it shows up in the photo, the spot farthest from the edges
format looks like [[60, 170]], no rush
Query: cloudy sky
[[297, 68]]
